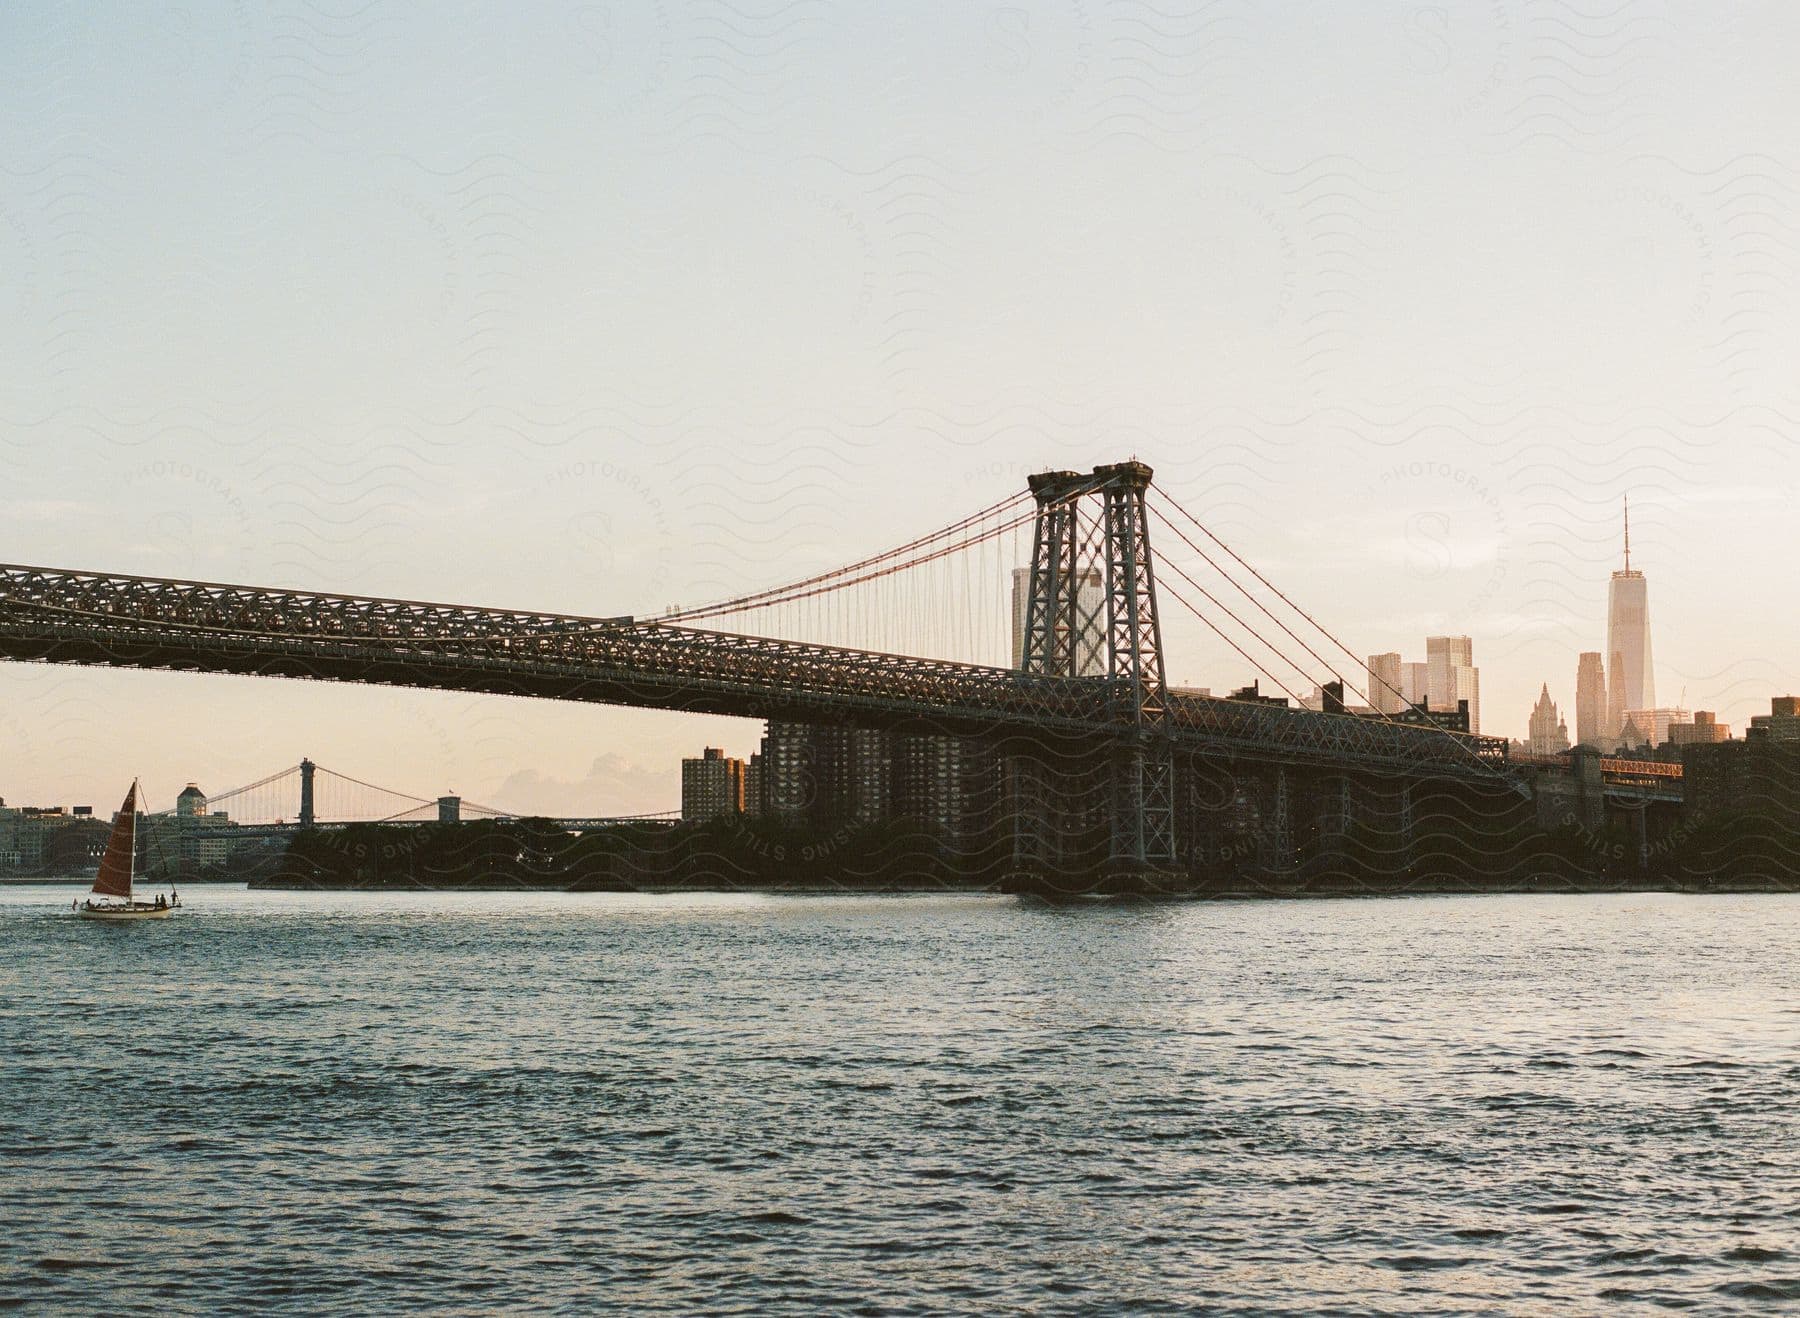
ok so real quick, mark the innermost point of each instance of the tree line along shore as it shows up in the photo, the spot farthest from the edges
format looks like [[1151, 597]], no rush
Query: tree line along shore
[[1740, 853]]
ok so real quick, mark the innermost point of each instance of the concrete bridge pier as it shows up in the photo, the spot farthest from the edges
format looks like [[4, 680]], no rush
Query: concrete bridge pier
[[1575, 799]]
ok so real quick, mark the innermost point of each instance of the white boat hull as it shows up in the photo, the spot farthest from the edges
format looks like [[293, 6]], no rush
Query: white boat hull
[[136, 911]]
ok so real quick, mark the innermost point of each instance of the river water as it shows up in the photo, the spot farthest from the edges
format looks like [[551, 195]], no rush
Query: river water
[[474, 1102]]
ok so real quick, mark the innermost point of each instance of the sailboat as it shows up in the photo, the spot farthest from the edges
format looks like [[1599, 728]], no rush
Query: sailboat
[[111, 898]]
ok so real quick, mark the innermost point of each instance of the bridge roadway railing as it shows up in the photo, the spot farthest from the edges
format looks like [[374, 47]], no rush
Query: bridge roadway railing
[[61, 616]]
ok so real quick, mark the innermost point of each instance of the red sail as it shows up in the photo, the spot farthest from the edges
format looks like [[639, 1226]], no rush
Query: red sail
[[114, 879]]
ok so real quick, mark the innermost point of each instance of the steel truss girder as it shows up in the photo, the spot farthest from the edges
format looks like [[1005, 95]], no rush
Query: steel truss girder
[[60, 616]]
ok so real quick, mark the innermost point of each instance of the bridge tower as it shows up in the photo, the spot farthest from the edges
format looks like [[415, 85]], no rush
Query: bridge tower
[[307, 816], [1092, 615]]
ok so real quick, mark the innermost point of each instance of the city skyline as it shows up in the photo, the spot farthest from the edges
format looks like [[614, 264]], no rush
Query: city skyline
[[1615, 689]]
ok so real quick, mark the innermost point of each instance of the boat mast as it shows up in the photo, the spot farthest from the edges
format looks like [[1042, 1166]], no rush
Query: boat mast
[[131, 873]]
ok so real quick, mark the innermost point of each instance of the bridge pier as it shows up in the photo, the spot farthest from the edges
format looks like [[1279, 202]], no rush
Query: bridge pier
[[1038, 842], [1142, 826], [1335, 811], [1211, 822], [1576, 799], [1278, 854], [1066, 805]]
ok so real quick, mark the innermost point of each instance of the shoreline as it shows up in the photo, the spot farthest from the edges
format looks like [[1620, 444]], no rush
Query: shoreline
[[87, 881], [1222, 893]]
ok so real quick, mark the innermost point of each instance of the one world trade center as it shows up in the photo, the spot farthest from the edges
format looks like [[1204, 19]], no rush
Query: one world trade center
[[1631, 685]]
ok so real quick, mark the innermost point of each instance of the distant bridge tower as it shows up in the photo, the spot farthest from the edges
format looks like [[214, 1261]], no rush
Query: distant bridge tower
[[307, 815], [1071, 541]]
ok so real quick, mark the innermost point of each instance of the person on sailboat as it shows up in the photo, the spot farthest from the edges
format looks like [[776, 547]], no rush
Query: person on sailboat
[[111, 898]]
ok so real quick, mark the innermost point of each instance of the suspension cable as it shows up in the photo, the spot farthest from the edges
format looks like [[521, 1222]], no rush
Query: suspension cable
[[763, 598], [1298, 640], [388, 791], [833, 586], [1244, 654], [1260, 639], [251, 787], [1429, 724], [1279, 594]]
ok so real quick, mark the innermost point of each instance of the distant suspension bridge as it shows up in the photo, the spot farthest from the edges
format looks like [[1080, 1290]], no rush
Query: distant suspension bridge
[[308, 795]]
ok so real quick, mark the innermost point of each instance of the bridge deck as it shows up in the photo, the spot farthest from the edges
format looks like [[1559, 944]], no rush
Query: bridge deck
[[61, 616]]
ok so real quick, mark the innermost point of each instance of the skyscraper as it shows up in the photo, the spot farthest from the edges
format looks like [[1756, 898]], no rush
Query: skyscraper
[[1451, 676], [1590, 700], [1549, 734], [1415, 683], [1090, 597], [1386, 692], [1631, 683]]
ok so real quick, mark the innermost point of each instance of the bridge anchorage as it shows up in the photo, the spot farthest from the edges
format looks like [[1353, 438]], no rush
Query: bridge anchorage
[[1091, 616]]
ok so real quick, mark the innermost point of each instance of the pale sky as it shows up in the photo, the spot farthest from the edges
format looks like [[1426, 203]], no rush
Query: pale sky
[[597, 307]]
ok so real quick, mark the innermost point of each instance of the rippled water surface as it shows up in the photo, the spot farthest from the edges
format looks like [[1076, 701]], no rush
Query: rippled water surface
[[511, 1101]]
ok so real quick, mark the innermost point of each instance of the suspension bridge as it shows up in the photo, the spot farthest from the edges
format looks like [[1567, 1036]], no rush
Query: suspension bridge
[[308, 795], [1095, 742]]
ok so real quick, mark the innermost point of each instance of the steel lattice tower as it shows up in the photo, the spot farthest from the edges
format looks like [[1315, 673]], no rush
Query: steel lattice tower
[[1054, 616], [1071, 540], [1143, 777]]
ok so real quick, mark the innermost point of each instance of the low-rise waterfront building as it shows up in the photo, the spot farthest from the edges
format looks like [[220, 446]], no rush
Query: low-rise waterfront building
[[712, 785], [1758, 778], [1781, 723], [191, 839], [49, 839], [1704, 730]]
